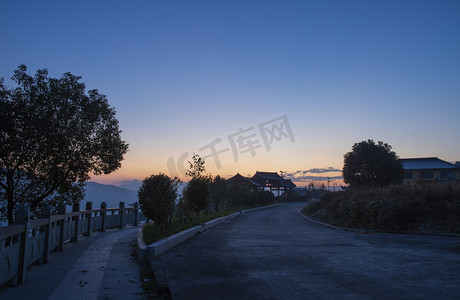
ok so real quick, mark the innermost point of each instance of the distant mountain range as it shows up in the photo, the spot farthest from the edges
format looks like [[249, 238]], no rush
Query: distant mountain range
[[110, 194], [131, 184], [113, 195]]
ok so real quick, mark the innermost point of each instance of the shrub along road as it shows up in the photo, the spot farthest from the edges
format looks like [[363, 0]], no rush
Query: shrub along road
[[277, 254]]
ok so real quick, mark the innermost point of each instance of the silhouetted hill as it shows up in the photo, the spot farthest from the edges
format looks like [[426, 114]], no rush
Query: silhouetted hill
[[134, 184], [112, 195]]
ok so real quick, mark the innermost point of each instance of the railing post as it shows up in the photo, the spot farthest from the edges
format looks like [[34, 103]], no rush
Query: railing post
[[76, 208], [61, 211], [103, 214], [89, 206], [122, 214], [21, 216], [45, 213], [136, 214]]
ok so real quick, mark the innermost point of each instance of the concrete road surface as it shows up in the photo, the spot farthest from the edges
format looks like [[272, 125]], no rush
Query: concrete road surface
[[277, 254]]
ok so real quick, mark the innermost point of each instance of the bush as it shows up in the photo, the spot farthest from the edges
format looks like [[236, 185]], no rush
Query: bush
[[239, 195], [396, 208], [196, 194], [218, 193], [264, 197], [157, 197]]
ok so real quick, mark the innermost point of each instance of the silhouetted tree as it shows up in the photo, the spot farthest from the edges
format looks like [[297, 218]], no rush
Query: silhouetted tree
[[196, 193], [196, 168], [157, 197], [52, 136], [372, 164], [240, 195], [265, 197], [218, 192]]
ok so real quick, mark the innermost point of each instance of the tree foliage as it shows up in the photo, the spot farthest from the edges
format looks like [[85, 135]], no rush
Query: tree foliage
[[53, 135], [218, 192], [157, 197], [266, 197], [196, 193], [240, 195], [370, 164], [196, 168]]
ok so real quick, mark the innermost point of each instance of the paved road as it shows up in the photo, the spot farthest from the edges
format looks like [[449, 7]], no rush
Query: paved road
[[101, 266], [278, 254]]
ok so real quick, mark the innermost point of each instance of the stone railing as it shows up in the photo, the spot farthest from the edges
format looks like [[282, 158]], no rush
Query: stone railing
[[31, 241]]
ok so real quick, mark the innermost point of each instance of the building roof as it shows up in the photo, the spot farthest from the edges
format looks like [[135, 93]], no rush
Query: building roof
[[426, 163], [261, 179], [267, 175], [287, 183], [264, 178], [240, 179]]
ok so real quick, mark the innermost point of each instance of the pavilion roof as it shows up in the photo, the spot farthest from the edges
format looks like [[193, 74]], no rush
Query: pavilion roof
[[267, 176]]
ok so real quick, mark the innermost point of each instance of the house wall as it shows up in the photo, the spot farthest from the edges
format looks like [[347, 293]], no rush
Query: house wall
[[442, 175]]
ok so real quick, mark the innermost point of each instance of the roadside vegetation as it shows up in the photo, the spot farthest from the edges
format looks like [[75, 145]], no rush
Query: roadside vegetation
[[427, 208], [205, 198], [378, 200]]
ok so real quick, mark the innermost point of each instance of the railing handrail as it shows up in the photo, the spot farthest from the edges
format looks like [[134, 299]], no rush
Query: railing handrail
[[29, 241]]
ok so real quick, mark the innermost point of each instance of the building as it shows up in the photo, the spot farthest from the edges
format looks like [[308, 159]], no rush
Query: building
[[239, 179], [273, 181], [270, 180], [429, 169]]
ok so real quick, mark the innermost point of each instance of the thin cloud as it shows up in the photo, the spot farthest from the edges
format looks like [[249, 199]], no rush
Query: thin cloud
[[322, 170], [307, 173], [315, 174], [316, 178]]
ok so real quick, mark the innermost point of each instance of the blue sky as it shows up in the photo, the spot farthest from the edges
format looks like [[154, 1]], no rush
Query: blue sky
[[183, 73]]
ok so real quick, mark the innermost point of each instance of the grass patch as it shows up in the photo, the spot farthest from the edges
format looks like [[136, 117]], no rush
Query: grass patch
[[430, 208]]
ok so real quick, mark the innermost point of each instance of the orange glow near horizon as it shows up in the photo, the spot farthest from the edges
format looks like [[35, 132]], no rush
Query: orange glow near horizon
[[288, 157], [133, 172]]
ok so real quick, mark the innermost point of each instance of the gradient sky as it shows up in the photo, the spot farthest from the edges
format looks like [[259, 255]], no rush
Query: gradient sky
[[183, 73]]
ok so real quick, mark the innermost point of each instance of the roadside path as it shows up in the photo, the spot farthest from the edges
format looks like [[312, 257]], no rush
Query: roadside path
[[101, 266], [277, 254]]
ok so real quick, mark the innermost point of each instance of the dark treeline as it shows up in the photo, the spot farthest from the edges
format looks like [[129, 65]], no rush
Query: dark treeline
[[205, 197]]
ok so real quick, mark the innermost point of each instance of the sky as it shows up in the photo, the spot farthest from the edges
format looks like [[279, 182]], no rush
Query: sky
[[268, 85]]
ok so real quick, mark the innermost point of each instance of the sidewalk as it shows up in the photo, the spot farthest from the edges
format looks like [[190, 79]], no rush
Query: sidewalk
[[101, 266]]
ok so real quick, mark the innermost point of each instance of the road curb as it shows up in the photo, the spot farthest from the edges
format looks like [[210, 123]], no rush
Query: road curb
[[150, 254], [316, 221], [159, 247], [141, 247]]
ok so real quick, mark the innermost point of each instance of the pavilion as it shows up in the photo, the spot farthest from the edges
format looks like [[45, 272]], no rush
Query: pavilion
[[271, 180]]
